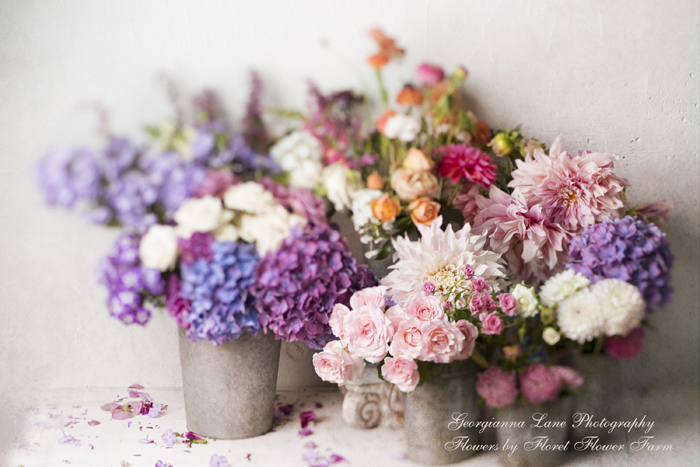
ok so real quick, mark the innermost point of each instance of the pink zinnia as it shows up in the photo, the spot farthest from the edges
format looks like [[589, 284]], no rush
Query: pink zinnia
[[497, 387], [625, 347], [539, 384], [462, 162]]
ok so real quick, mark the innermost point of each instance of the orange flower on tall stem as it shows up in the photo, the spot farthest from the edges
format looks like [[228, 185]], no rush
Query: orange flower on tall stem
[[409, 96], [388, 49]]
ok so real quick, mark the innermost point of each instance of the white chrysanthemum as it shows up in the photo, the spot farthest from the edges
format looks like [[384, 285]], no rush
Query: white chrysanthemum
[[550, 335], [561, 285], [622, 306], [360, 206], [579, 317], [300, 154], [527, 300], [439, 257]]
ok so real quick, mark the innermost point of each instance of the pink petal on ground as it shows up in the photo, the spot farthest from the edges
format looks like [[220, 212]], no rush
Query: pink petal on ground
[[134, 394], [110, 407], [121, 415], [305, 432], [307, 417], [336, 458], [135, 386], [93, 422]]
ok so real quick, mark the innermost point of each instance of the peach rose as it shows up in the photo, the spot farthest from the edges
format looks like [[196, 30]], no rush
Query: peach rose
[[410, 184], [425, 308], [396, 314], [336, 365], [424, 210], [385, 208], [402, 372], [470, 332], [442, 342], [368, 331], [375, 181], [338, 314], [407, 341], [409, 96], [372, 296], [417, 161]]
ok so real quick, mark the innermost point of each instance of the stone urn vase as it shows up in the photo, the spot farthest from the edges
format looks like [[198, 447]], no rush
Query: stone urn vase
[[370, 402], [230, 389]]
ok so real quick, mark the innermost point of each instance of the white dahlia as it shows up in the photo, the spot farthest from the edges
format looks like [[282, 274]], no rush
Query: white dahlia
[[561, 285], [579, 317], [439, 257], [622, 305]]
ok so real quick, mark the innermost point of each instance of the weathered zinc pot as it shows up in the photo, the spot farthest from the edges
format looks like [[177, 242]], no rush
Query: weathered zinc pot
[[434, 434], [230, 389], [370, 402], [537, 443]]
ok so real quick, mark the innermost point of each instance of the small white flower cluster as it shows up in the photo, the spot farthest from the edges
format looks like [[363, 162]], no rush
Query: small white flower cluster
[[300, 154], [248, 212]]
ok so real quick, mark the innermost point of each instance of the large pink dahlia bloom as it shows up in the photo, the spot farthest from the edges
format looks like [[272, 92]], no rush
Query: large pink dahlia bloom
[[462, 162]]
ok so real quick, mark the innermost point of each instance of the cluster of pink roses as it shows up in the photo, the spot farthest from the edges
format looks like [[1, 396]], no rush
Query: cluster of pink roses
[[538, 384], [484, 306], [419, 330]]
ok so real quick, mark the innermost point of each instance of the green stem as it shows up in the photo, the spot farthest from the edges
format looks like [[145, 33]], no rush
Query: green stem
[[382, 88], [454, 192], [599, 345]]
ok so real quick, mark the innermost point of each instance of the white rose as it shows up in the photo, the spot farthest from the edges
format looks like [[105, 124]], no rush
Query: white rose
[[158, 248], [402, 126], [360, 206], [339, 186], [200, 215], [550, 335], [249, 197], [306, 174], [300, 154], [226, 233], [269, 229], [527, 301]]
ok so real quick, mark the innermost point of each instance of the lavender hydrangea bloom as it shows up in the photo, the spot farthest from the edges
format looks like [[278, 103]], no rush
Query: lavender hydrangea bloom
[[626, 249], [300, 201], [297, 285], [128, 283], [221, 306]]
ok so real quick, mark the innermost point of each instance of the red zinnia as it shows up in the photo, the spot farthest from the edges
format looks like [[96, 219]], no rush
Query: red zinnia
[[460, 161]]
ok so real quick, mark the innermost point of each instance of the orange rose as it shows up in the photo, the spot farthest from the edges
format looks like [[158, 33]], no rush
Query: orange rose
[[385, 208], [424, 210], [409, 96], [375, 181], [409, 184], [417, 161], [378, 60]]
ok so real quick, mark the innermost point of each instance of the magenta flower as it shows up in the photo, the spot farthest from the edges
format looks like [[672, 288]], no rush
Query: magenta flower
[[464, 163], [540, 384], [625, 347], [479, 285], [429, 74], [307, 417], [508, 303], [497, 387]]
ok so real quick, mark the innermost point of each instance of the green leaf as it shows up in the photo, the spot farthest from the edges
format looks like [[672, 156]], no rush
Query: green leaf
[[385, 251], [479, 359]]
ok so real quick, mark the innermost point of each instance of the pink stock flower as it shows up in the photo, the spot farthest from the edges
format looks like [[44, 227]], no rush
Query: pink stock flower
[[407, 340], [466, 163], [336, 365], [470, 333], [508, 303], [491, 323], [429, 74], [368, 331], [372, 296], [625, 347], [425, 308], [569, 377], [442, 342], [401, 371], [539, 384], [498, 388]]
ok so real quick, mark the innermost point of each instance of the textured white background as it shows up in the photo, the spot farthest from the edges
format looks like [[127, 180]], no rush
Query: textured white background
[[616, 76]]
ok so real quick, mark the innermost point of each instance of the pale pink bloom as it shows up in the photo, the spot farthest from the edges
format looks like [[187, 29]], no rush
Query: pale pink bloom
[[336, 365], [489, 303], [396, 314], [539, 384], [336, 320], [401, 371], [491, 323], [442, 342], [373, 296], [499, 388], [575, 191], [407, 340], [367, 331], [425, 308], [625, 347], [508, 303], [569, 377], [533, 245], [465, 201], [470, 332]]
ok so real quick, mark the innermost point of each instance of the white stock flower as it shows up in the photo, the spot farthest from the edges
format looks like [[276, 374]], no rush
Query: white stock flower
[[402, 126], [158, 248], [339, 186], [579, 317], [550, 335], [561, 285], [300, 154], [200, 215], [269, 229], [360, 206], [527, 301], [622, 306], [249, 197]]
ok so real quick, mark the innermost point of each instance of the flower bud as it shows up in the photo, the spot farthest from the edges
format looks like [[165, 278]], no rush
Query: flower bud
[[417, 161], [429, 74], [375, 181], [460, 72], [501, 144]]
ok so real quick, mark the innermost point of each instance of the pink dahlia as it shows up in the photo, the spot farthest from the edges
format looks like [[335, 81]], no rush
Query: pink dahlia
[[533, 245], [462, 162], [625, 347], [465, 201], [497, 387], [540, 384], [574, 191]]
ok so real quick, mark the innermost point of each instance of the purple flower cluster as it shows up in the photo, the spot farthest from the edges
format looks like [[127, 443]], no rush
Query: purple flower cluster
[[626, 249], [297, 285], [218, 289], [301, 201], [129, 284], [216, 149]]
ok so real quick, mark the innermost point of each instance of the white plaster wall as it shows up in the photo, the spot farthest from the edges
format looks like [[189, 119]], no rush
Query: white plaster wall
[[617, 76]]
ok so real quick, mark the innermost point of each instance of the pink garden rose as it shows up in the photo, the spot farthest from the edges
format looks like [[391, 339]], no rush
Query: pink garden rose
[[508, 303], [367, 331], [407, 342], [491, 323], [401, 371], [569, 377], [497, 387], [624, 347], [425, 308], [442, 342], [373, 296], [477, 305], [539, 384], [336, 365], [470, 333], [396, 314], [480, 285], [489, 303], [336, 320]]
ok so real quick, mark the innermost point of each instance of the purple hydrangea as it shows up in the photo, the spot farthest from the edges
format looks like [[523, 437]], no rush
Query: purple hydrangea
[[197, 246], [129, 284], [221, 306], [626, 249], [178, 307], [301, 201], [297, 285]]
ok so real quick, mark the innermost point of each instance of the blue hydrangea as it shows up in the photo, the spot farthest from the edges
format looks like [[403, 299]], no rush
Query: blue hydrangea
[[222, 306], [626, 249]]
